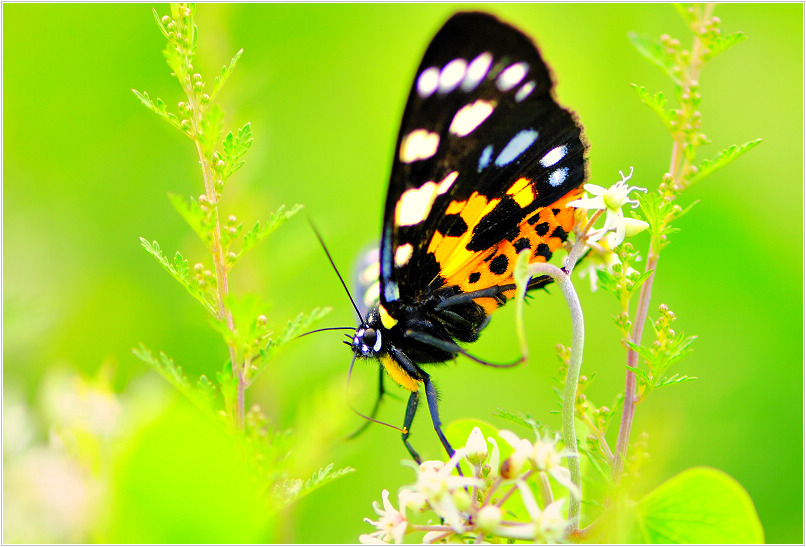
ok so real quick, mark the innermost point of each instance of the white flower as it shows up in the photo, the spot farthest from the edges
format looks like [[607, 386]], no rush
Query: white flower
[[543, 455], [445, 491], [550, 524], [391, 526], [611, 200]]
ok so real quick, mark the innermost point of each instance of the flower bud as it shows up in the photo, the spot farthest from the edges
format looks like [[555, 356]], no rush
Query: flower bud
[[489, 517], [476, 447]]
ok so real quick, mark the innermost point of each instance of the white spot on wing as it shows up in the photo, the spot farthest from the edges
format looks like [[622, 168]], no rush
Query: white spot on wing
[[470, 116], [427, 82], [403, 254], [558, 176], [525, 90], [451, 75], [553, 156], [415, 204], [420, 144], [477, 71], [511, 76], [517, 146], [445, 184]]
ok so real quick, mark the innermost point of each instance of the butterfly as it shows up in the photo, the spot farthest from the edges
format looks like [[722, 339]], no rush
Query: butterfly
[[485, 165]]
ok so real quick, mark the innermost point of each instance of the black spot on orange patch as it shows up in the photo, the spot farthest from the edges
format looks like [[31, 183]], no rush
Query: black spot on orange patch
[[499, 265], [521, 244], [474, 277], [542, 229], [560, 233], [544, 251], [452, 225]]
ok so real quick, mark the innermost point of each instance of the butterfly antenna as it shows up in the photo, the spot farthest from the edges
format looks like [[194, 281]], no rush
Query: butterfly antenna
[[324, 329], [330, 258], [349, 376]]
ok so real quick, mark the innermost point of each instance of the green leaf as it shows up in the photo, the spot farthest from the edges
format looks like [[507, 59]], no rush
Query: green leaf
[[700, 505], [260, 232], [203, 395], [656, 53], [235, 148], [707, 167], [225, 73], [159, 108], [179, 272], [294, 328], [656, 102], [674, 379], [722, 43], [193, 215], [291, 490]]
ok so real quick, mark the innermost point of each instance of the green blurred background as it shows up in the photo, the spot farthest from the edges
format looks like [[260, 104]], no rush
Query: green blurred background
[[98, 448]]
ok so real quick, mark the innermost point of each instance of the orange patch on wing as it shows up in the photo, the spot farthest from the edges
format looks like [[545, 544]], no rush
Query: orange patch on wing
[[522, 192], [494, 267], [451, 252]]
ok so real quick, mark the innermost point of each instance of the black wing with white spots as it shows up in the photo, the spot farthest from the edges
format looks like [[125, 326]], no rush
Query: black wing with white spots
[[483, 148]]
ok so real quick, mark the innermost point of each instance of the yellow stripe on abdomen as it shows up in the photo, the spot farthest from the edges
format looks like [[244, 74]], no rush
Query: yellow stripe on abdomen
[[398, 374]]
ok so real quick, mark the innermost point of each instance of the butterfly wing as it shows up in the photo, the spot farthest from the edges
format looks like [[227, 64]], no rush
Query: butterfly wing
[[485, 164]]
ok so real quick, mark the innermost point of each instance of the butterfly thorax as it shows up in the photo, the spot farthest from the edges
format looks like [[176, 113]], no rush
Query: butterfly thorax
[[440, 316]]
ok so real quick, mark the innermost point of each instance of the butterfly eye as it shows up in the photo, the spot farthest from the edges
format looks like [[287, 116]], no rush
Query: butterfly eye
[[370, 337]]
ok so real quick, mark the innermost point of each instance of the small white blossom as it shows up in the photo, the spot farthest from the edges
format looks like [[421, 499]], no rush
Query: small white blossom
[[392, 524], [611, 200], [550, 524], [441, 489], [543, 455]]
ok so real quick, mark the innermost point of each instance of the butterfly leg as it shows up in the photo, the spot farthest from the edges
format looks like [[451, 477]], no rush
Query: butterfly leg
[[375, 408], [411, 410], [431, 398]]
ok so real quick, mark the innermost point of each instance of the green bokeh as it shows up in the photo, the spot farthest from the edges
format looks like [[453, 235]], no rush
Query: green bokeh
[[86, 170]]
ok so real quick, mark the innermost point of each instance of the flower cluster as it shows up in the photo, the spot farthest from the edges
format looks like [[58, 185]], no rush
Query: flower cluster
[[483, 506], [604, 240]]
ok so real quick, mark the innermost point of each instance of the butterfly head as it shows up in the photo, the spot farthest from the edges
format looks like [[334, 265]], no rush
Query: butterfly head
[[367, 341]]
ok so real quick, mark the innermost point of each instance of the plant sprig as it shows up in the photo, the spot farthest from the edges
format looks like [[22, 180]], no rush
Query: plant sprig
[[659, 209]]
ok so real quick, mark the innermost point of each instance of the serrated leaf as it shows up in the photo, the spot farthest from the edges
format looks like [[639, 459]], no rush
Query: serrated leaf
[[656, 102], [225, 73], [235, 147], [175, 376], [154, 250], [674, 379], [707, 167], [259, 232], [158, 108], [181, 266], [655, 52], [192, 214], [645, 353], [722, 43]]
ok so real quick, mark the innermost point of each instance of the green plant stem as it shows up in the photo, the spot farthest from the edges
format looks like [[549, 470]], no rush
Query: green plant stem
[[217, 251], [563, 280]]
